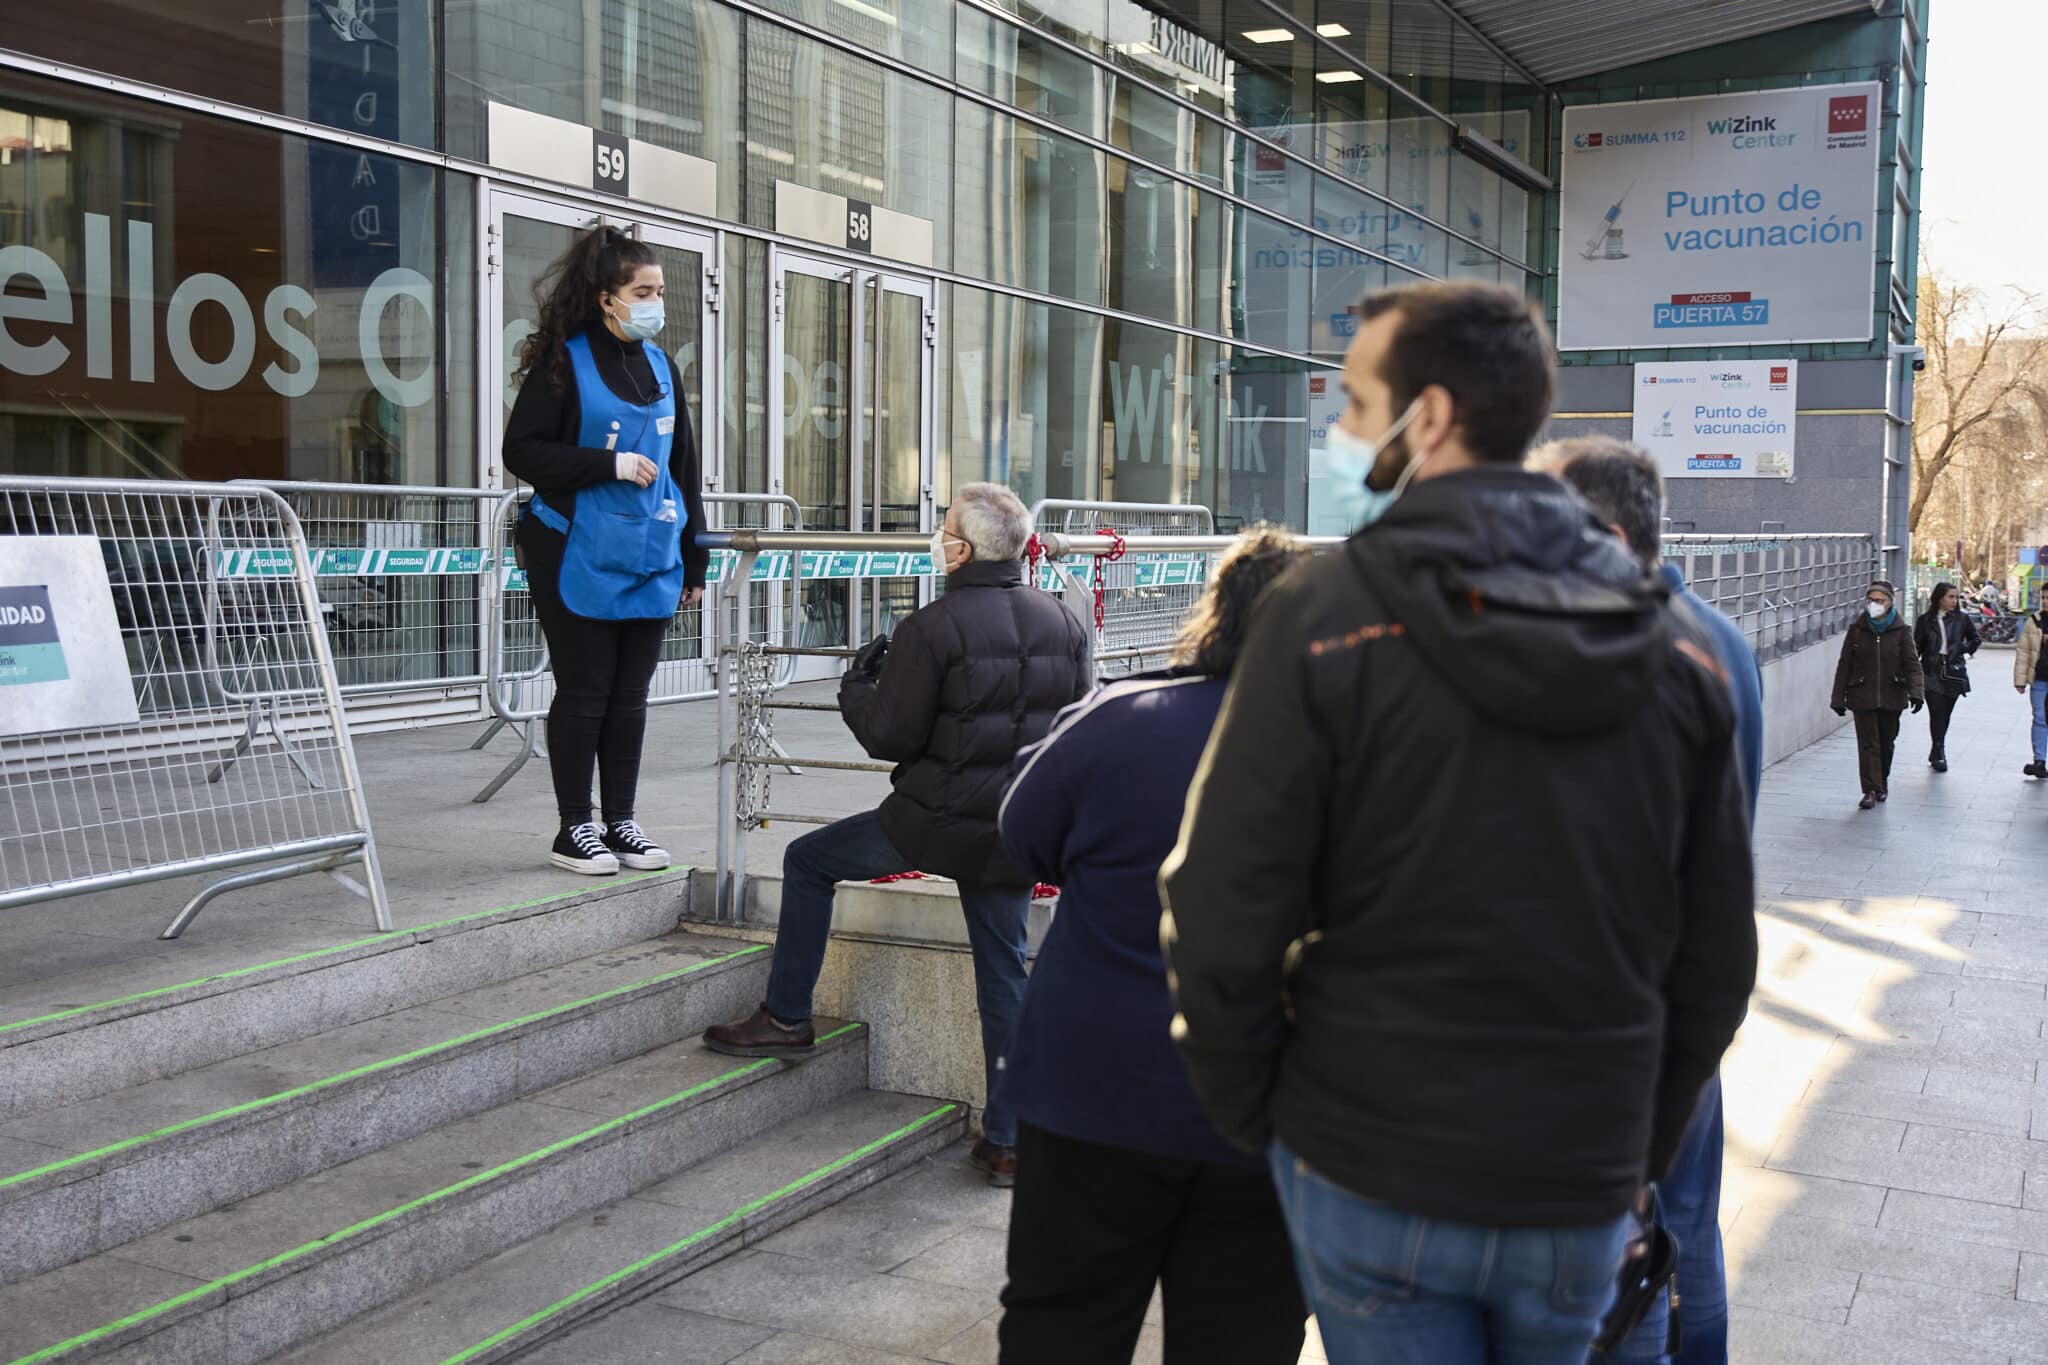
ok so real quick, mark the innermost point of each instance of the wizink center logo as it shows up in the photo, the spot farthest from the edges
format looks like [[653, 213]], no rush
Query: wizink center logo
[[1750, 132], [29, 649]]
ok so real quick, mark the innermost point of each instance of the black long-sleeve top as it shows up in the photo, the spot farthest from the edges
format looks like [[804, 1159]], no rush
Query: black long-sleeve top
[[541, 445]]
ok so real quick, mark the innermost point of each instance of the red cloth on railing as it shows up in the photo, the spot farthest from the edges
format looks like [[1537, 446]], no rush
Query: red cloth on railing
[[1043, 891]]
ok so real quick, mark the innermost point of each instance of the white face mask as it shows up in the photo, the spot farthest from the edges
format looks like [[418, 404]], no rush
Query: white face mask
[[1351, 459], [1877, 610], [939, 539]]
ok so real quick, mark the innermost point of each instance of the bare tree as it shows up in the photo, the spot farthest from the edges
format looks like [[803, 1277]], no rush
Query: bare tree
[[1985, 387]]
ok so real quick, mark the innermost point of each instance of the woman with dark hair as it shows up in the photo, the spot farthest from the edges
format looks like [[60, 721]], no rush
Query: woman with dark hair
[[608, 539], [1946, 638], [1122, 1183]]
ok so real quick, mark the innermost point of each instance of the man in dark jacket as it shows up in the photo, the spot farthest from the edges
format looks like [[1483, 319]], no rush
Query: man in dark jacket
[[1461, 914], [1623, 486], [966, 683]]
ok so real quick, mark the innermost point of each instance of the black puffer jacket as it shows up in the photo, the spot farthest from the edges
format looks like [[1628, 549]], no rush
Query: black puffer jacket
[[967, 682], [1462, 907]]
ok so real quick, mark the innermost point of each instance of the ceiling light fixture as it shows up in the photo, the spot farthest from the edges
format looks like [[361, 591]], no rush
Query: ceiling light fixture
[[1338, 77], [1333, 31], [1269, 35]]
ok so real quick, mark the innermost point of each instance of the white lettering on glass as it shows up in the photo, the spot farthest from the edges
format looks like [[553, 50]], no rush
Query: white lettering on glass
[[54, 306], [211, 375], [396, 283], [36, 301]]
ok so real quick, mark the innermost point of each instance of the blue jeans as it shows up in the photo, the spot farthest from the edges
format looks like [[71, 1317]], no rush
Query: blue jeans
[[2038, 696], [1390, 1288], [1690, 1195], [853, 850]]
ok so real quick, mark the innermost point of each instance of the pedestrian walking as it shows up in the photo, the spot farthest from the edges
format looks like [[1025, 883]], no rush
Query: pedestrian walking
[[965, 683], [1122, 1181], [609, 538], [2030, 679], [1460, 918], [1877, 677], [1946, 637], [1623, 486]]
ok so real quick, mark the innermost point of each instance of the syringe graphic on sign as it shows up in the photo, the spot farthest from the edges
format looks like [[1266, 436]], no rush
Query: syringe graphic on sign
[[1663, 428], [1606, 243]]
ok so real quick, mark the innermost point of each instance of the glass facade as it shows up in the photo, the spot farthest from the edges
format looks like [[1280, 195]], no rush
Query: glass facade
[[1079, 246]]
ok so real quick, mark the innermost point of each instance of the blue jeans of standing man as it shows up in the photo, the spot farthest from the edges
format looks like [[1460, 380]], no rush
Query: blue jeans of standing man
[[2038, 696], [1391, 1288], [1690, 1198], [854, 850]]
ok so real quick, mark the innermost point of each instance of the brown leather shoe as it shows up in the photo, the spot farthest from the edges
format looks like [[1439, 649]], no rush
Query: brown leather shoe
[[758, 1035], [999, 1162]]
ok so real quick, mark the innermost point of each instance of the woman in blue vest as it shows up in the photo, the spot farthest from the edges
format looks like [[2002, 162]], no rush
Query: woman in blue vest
[[609, 538]]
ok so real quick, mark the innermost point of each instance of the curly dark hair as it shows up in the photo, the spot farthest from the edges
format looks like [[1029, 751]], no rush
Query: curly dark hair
[[1213, 634], [601, 261]]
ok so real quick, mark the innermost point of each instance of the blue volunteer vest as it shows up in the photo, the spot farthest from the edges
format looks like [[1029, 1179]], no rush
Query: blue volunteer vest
[[624, 560]]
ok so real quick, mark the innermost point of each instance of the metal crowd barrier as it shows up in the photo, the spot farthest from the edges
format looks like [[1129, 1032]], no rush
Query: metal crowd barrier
[[1143, 597], [215, 617], [746, 668], [518, 685], [1787, 592]]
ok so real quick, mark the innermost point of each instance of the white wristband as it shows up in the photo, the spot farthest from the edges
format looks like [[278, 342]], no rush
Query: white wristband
[[625, 462]]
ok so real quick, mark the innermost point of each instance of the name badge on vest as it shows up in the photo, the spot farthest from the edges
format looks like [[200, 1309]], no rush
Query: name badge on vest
[[665, 426]]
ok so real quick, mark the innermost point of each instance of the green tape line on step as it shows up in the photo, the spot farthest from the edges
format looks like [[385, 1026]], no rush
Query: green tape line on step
[[370, 1069], [228, 1281], [677, 1248], [611, 884]]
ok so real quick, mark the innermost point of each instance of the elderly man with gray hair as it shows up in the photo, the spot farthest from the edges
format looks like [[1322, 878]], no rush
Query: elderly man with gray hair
[[966, 683]]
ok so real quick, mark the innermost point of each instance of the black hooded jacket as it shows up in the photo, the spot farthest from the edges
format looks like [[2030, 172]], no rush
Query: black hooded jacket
[[1462, 907]]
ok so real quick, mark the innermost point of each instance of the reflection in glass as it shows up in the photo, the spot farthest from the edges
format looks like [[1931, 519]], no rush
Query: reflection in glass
[[835, 122], [363, 66], [663, 71], [1163, 394], [236, 332], [1027, 406], [1027, 206], [1027, 70], [817, 428]]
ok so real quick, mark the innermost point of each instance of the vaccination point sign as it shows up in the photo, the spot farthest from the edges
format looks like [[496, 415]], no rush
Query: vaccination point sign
[[1720, 221], [1718, 419]]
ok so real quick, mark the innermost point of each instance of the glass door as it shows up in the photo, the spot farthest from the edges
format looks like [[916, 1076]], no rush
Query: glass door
[[524, 235], [851, 437]]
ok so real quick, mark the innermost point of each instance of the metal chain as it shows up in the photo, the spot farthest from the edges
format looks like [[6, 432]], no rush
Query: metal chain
[[756, 742]]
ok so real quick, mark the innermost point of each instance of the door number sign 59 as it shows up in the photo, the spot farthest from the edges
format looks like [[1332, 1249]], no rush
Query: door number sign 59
[[610, 170]]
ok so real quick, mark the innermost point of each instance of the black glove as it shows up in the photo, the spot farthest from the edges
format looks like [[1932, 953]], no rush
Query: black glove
[[1841, 710], [1917, 704], [867, 660]]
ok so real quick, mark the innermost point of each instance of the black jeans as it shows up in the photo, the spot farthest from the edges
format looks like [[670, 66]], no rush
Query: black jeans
[[602, 672], [1094, 1227], [1876, 733], [1940, 707]]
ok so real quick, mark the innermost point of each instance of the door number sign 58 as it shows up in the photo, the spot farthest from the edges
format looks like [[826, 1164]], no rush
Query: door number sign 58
[[860, 226], [609, 173]]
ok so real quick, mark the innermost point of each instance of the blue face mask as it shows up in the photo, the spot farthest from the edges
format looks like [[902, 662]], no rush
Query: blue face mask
[[1349, 459], [645, 321]]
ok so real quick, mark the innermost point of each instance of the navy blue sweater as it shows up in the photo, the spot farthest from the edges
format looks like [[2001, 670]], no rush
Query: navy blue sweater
[[1745, 683], [1095, 808]]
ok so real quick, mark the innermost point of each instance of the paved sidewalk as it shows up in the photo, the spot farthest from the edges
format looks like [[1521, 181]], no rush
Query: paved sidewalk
[[1887, 1183], [1887, 1186]]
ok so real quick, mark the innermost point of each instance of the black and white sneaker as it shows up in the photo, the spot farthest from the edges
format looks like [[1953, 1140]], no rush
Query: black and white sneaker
[[633, 848], [581, 848]]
